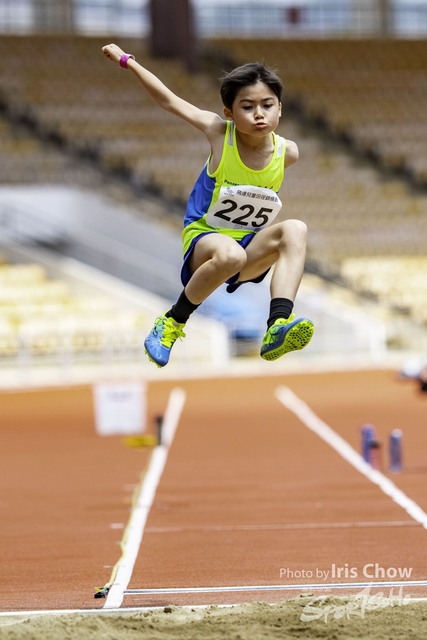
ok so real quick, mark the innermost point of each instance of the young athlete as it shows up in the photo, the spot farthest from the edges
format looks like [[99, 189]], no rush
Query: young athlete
[[228, 235]]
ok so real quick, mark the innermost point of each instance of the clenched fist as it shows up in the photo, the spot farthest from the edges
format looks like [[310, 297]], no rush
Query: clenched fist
[[113, 52]]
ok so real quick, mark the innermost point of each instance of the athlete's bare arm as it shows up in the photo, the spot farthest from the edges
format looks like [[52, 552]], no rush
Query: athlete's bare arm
[[210, 123], [292, 153]]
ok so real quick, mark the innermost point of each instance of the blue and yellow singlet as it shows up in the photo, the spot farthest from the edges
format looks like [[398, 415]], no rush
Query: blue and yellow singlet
[[235, 199]]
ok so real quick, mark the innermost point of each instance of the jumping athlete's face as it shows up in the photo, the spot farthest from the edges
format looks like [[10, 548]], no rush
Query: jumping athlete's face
[[255, 110]]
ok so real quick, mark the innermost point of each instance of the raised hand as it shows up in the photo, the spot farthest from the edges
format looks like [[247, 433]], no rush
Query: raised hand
[[113, 52]]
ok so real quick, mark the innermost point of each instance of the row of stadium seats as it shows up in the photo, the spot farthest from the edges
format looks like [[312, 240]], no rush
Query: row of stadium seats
[[40, 317], [97, 106], [348, 209], [359, 86], [69, 89], [398, 281], [24, 159]]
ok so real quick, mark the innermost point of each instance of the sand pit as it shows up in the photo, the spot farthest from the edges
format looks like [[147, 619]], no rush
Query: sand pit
[[257, 621]]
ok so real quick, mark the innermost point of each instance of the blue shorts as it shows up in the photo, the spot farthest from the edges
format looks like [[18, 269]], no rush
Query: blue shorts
[[232, 283]]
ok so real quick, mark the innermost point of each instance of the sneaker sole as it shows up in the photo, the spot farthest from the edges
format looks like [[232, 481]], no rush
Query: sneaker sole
[[159, 366], [295, 339]]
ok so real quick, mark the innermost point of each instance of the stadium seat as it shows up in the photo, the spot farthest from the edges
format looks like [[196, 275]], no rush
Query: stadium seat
[[43, 317]]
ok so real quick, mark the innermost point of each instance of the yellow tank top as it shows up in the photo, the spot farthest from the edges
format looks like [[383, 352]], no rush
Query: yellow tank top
[[235, 199]]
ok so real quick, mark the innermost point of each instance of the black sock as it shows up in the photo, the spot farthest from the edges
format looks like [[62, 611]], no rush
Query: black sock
[[279, 308], [182, 309]]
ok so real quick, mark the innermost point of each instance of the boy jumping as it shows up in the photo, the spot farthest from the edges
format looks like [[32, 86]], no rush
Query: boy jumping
[[228, 234]]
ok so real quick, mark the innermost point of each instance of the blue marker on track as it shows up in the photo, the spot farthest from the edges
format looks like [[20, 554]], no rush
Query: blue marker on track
[[395, 451], [368, 437]]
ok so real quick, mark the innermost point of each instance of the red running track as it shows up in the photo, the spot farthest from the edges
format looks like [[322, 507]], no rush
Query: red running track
[[249, 496]]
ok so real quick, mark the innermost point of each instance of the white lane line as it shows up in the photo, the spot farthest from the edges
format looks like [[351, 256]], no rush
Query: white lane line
[[135, 528], [277, 587], [341, 446], [104, 612], [280, 527], [155, 609]]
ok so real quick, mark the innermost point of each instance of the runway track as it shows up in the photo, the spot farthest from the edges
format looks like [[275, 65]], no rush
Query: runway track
[[249, 495]]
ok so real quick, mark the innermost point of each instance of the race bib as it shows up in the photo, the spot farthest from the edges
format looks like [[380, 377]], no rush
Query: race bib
[[244, 207]]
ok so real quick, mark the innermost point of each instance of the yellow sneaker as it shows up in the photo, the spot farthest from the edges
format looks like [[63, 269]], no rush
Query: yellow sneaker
[[286, 335]]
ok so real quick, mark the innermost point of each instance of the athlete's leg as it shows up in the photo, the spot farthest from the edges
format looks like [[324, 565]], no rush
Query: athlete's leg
[[215, 258], [283, 245]]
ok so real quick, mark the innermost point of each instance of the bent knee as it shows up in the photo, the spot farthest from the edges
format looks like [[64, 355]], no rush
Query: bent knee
[[295, 228], [231, 259], [294, 231]]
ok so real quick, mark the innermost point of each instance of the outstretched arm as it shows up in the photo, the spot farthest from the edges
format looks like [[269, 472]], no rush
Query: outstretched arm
[[206, 121]]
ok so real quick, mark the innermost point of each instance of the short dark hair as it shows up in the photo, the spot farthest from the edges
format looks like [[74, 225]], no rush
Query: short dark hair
[[248, 74]]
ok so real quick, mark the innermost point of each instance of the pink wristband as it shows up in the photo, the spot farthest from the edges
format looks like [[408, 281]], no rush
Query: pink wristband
[[124, 60]]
